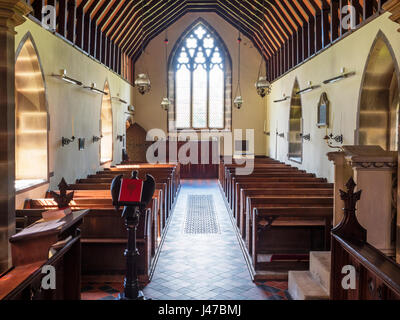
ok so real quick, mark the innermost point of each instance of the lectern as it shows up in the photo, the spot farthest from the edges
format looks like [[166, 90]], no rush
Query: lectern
[[134, 194]]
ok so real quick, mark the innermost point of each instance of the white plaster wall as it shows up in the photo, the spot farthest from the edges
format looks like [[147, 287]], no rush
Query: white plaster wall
[[352, 53], [70, 104]]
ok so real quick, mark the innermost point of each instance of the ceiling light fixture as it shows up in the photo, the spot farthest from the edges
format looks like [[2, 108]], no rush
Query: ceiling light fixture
[[262, 85], [238, 101], [142, 81], [165, 103]]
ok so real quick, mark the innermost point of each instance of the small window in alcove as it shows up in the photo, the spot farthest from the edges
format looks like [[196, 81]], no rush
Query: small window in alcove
[[106, 146]]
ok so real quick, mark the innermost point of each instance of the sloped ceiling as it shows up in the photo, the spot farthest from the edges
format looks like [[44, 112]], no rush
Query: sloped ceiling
[[272, 25]]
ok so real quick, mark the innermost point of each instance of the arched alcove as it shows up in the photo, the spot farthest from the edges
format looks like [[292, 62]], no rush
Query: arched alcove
[[31, 118], [379, 99], [295, 124], [106, 146]]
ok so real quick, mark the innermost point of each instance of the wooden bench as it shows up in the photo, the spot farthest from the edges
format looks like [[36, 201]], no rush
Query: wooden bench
[[282, 238], [104, 235], [281, 213], [278, 191]]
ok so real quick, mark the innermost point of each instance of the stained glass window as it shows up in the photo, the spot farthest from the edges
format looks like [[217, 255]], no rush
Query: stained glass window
[[200, 81]]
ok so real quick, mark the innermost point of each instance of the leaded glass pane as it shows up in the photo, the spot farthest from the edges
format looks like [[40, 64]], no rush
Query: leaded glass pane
[[200, 60], [200, 97], [216, 117], [183, 98]]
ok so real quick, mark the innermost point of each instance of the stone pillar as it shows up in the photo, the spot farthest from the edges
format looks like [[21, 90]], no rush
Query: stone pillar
[[342, 174], [11, 15], [374, 173]]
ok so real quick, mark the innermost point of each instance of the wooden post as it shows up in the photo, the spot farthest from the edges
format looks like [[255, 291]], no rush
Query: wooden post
[[93, 37], [325, 27], [87, 34], [311, 36], [318, 31], [71, 20], [99, 43], [80, 22], [335, 20], [62, 18], [37, 9], [306, 48], [11, 15]]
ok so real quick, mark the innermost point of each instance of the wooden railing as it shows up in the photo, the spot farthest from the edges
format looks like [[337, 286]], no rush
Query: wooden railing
[[358, 270]]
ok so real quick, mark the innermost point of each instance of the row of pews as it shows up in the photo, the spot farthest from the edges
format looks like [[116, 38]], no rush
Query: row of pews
[[103, 232], [281, 214]]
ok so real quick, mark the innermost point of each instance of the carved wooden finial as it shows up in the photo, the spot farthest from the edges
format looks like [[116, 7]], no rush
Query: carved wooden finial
[[349, 228], [62, 199], [350, 197]]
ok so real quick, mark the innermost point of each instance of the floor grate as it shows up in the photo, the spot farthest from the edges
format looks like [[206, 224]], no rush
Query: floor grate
[[201, 217]]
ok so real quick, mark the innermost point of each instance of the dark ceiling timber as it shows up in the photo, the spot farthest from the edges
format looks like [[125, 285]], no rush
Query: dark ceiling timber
[[285, 32]]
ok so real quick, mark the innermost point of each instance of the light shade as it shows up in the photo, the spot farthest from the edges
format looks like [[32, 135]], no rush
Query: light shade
[[165, 103], [238, 102], [143, 83], [263, 86]]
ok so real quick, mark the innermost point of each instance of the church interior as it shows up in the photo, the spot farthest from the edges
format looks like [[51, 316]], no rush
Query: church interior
[[199, 150]]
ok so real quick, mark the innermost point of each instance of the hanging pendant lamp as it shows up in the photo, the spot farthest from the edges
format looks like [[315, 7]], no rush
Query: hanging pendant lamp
[[263, 86], [165, 103], [238, 101], [142, 81]]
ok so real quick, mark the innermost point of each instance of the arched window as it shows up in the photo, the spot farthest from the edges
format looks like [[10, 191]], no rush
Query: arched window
[[106, 146], [295, 126], [200, 81], [31, 118]]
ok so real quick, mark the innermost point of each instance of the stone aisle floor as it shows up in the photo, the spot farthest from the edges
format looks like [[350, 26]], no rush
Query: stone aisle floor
[[209, 266], [199, 267]]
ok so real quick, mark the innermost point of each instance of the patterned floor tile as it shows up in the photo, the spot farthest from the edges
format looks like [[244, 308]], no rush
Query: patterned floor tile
[[199, 266]]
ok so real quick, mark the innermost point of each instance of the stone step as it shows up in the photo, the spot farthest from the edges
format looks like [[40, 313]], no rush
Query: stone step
[[320, 268], [302, 286]]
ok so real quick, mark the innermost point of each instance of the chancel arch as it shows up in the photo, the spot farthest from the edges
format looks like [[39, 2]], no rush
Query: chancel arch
[[200, 81], [106, 125], [31, 118], [295, 126], [378, 116]]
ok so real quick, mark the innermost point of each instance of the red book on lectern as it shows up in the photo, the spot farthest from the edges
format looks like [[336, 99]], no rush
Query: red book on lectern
[[131, 190]]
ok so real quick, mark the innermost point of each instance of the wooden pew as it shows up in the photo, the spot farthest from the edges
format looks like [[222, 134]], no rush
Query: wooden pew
[[282, 238], [304, 202], [294, 215], [292, 189], [295, 178], [104, 239], [104, 201], [103, 232]]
